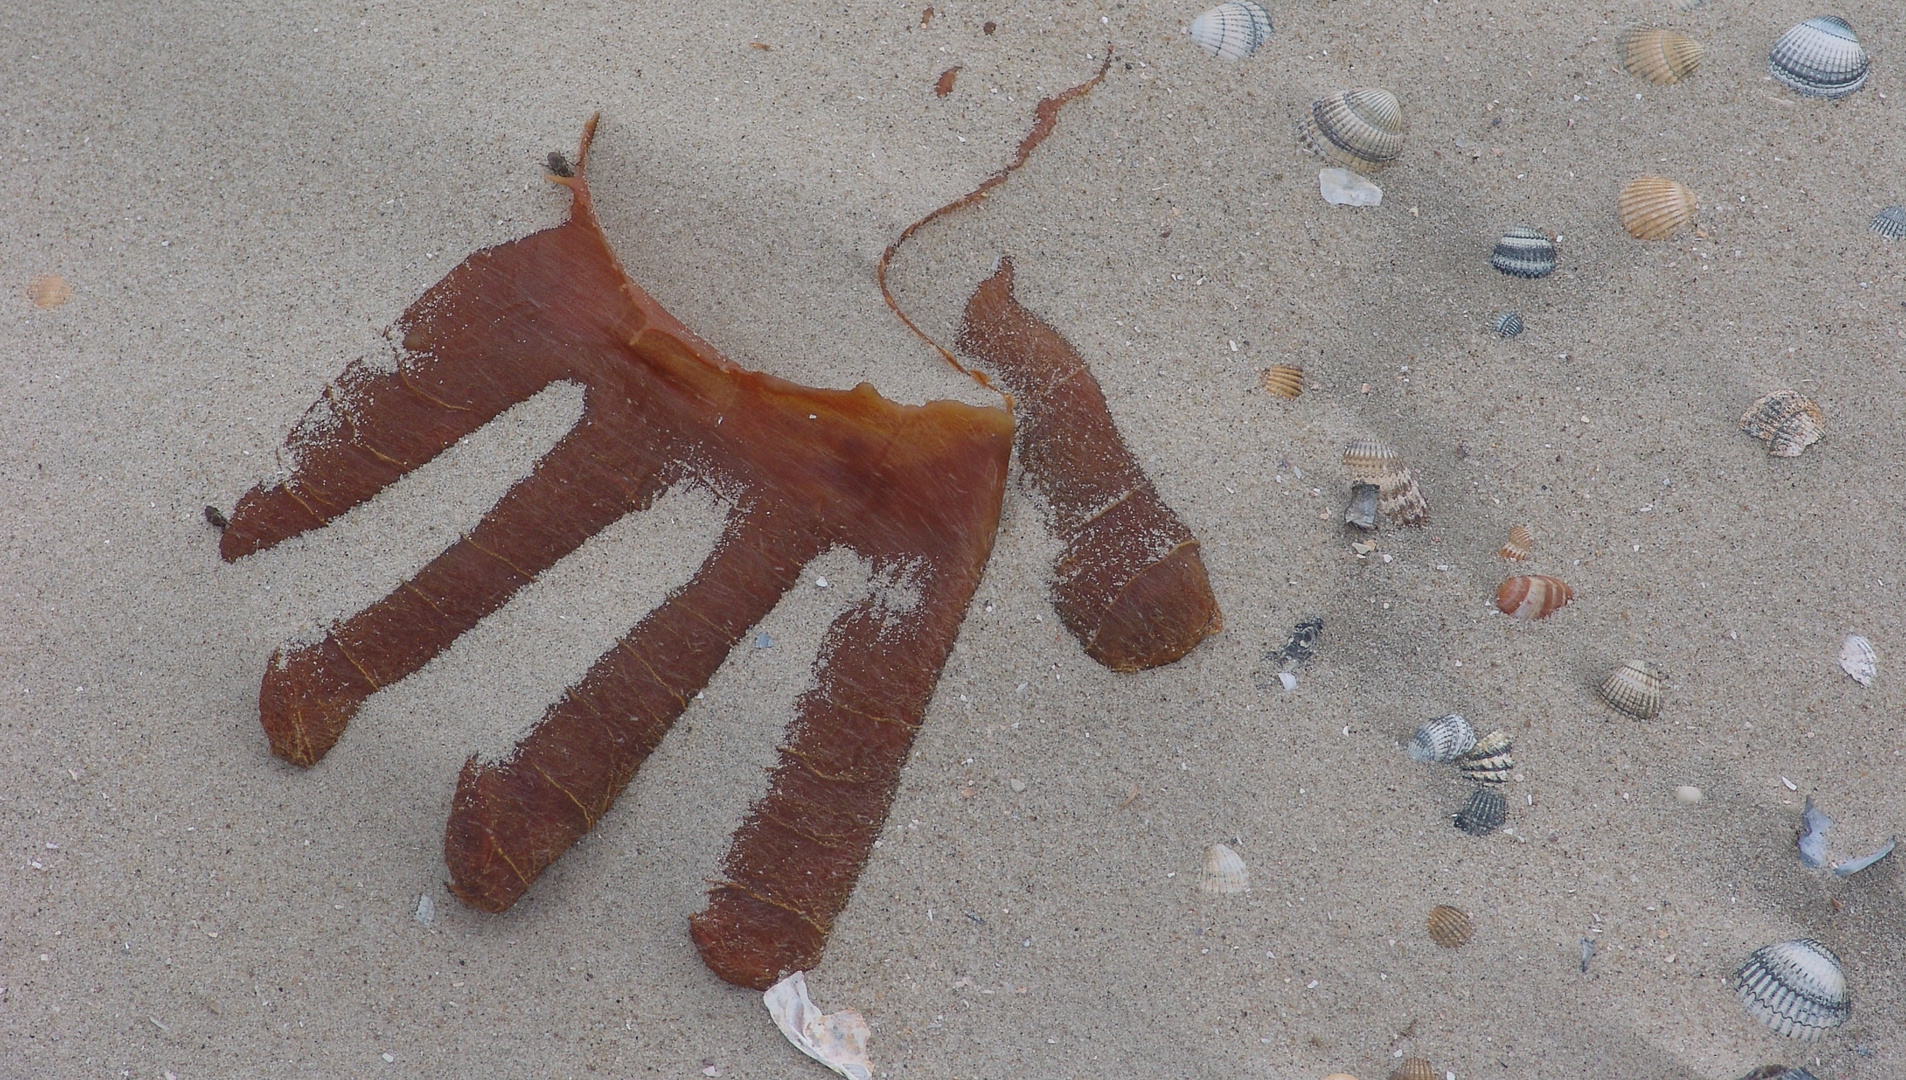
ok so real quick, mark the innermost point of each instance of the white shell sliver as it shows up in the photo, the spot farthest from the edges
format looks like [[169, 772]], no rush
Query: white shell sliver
[[1857, 659], [1231, 31]]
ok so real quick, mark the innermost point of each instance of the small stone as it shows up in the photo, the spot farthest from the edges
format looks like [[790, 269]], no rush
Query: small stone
[[1017, 785], [763, 641], [1341, 187], [1688, 794], [820, 583], [390, 1058]]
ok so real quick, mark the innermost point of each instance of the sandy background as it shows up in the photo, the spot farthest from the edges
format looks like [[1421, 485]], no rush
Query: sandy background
[[244, 197]]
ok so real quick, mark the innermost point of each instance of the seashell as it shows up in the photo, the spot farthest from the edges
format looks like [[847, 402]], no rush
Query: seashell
[[1340, 1076], [1360, 129], [1484, 813], [1858, 660], [1662, 57], [1786, 422], [1819, 58], [1489, 761], [1795, 988], [1231, 31], [1689, 795], [1372, 462], [1303, 642], [1520, 546], [1654, 207], [1449, 927], [1416, 1069], [1890, 223], [1769, 1072], [49, 291], [1525, 252], [1634, 688], [1341, 187], [1284, 380], [1441, 740], [1224, 871], [1362, 511], [1506, 325], [1532, 596]]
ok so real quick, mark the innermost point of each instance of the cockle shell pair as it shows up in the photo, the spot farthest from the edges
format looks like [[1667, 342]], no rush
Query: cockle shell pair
[[1360, 129], [1446, 739]]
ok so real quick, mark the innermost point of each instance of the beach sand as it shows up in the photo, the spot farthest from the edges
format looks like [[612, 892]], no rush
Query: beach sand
[[244, 199]]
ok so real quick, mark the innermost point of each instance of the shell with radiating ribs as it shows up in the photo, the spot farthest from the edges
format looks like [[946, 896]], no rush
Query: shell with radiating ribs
[[1284, 380], [1520, 546], [1655, 207], [1360, 129], [1374, 462], [1532, 596], [1796, 988], [1659, 56], [1786, 422], [1634, 688]]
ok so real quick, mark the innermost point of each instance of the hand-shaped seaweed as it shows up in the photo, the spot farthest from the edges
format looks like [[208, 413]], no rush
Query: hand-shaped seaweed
[[916, 491]]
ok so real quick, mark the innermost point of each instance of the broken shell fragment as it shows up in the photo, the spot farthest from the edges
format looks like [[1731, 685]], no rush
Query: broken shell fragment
[[1362, 511], [1441, 740], [1520, 546], [1449, 927], [1890, 223], [1525, 252], [1303, 640], [1373, 462], [1655, 207], [1634, 688], [1786, 422], [1796, 988], [49, 291], [1858, 660], [1507, 325], [1484, 813], [1416, 1069], [1662, 57], [1360, 129], [1284, 380], [1490, 760], [1224, 872], [1812, 837], [1341, 187], [1231, 31], [1819, 58], [836, 1040], [1773, 1072], [1532, 596]]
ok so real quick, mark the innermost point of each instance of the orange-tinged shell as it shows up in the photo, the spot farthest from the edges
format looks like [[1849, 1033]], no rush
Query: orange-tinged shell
[[1532, 596], [1373, 462], [1284, 380], [1654, 207], [1416, 1069], [1662, 57], [49, 291], [1449, 927], [1520, 546], [1786, 422]]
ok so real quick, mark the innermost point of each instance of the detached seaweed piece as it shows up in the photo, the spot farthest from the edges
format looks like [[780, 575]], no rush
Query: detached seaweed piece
[[915, 491]]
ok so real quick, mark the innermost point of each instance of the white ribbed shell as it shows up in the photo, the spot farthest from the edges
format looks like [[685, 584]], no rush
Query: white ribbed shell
[[1795, 988], [1231, 31], [1442, 740]]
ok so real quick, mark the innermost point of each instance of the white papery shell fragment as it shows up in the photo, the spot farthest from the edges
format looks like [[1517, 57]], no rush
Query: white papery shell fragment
[[1341, 187], [1796, 988], [1858, 660], [836, 1040], [1231, 31], [1224, 871]]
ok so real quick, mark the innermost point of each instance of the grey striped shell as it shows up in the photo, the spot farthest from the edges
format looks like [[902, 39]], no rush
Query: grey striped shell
[[1820, 58], [1786, 422], [1778, 1072], [1490, 760], [1796, 988], [1634, 688], [1890, 223], [1506, 325], [1360, 129], [1525, 252], [1231, 31], [1441, 740], [1484, 813]]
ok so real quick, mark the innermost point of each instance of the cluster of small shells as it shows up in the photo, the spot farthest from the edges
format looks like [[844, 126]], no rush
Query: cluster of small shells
[[1376, 464], [1488, 761], [1786, 422]]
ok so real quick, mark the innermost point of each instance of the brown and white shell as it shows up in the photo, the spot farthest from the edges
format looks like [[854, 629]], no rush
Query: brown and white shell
[[1532, 596], [1490, 761], [1416, 1069], [1284, 380], [1449, 927], [1655, 207], [1659, 56], [1786, 422], [1634, 688], [1520, 546], [1374, 462], [1360, 129], [1224, 871]]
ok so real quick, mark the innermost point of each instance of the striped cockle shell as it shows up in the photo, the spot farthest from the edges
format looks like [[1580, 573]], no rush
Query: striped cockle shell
[[1525, 252], [1224, 871], [1484, 813], [1374, 462], [1441, 740], [1820, 58], [1490, 760], [1360, 129], [49, 291], [1654, 207], [1659, 56], [1786, 422], [1520, 546], [1415, 1069], [1776, 1072], [1506, 325], [1796, 988], [1635, 688], [1532, 596], [1231, 31], [1284, 380], [1450, 927], [1858, 660], [1890, 223]]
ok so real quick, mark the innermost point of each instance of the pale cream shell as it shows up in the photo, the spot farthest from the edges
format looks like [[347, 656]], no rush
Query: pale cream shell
[[49, 291], [1659, 56], [1655, 207], [1360, 129], [1284, 380], [1224, 871], [1416, 1069], [1490, 761], [1635, 688]]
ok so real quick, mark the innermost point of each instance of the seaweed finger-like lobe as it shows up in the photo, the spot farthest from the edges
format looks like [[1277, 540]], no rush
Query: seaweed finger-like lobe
[[1796, 988]]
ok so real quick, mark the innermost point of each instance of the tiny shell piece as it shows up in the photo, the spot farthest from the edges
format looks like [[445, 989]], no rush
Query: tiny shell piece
[[1858, 660], [1341, 187], [1689, 795], [1520, 546], [1662, 57], [836, 1040], [1655, 207], [1890, 223], [1796, 988], [944, 84], [1812, 837], [1819, 58], [1532, 596], [1373, 462], [1360, 129], [1770, 1072], [1362, 511], [49, 291], [1786, 422], [1340, 1076], [1484, 813], [1449, 927], [1634, 688], [1416, 1069], [1525, 252], [1284, 380], [1507, 325], [1303, 641], [1442, 740], [1231, 31], [1224, 871], [1490, 760]]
